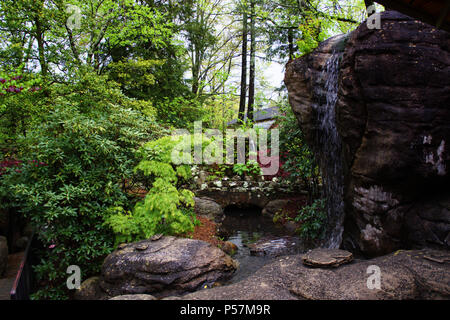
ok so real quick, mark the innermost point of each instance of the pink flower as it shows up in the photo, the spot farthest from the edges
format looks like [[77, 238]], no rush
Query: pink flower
[[52, 246]]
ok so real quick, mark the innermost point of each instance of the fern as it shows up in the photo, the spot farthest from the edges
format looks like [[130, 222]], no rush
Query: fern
[[165, 209]]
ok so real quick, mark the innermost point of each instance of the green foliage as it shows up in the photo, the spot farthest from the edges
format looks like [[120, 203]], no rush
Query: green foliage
[[19, 103], [219, 110], [297, 159], [313, 220], [166, 209], [76, 104], [180, 112], [74, 168], [250, 168], [137, 78]]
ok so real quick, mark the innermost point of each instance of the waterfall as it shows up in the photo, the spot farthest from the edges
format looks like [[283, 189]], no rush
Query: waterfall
[[330, 146]]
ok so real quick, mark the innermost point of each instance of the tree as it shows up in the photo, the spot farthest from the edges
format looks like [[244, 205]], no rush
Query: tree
[[251, 89], [296, 27], [243, 95], [211, 45]]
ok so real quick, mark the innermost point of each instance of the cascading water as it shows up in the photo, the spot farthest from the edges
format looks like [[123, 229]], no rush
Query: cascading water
[[329, 143]]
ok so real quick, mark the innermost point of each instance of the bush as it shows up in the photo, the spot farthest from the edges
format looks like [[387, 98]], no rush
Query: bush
[[296, 158], [74, 168], [250, 168], [165, 209], [313, 219], [20, 101]]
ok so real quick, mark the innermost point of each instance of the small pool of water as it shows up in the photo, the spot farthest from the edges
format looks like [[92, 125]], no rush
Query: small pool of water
[[246, 226]]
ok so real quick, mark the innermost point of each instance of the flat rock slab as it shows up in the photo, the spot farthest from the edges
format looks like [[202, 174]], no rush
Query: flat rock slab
[[323, 258]]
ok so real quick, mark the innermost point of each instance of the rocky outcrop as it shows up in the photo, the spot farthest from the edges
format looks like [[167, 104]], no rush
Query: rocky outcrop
[[163, 267], [389, 131], [402, 275], [417, 274], [3, 255]]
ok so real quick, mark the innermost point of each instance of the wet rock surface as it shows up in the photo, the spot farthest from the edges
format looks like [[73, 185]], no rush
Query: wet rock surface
[[327, 258], [167, 266], [404, 275], [229, 248], [392, 119], [274, 246]]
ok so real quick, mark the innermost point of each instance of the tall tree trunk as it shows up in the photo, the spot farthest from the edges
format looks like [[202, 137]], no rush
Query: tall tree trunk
[[244, 66], [251, 89], [196, 71], [40, 42], [291, 44]]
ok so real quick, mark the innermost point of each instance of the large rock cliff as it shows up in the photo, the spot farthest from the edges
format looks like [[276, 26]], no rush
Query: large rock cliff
[[375, 107]]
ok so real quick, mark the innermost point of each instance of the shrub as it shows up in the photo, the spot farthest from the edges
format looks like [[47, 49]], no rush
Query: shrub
[[166, 209], [313, 219], [250, 168], [296, 158], [74, 169], [20, 101]]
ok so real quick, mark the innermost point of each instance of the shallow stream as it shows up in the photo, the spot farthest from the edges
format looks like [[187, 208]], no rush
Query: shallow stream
[[246, 227]]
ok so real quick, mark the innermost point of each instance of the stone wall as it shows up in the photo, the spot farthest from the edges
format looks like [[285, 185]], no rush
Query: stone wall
[[243, 191]]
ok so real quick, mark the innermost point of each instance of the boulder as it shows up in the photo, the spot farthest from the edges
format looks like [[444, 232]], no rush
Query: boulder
[[229, 248], [164, 267], [208, 208], [327, 258], [374, 108], [3, 255], [274, 207], [90, 290]]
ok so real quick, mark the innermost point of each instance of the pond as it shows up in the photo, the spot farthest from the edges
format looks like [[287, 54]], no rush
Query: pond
[[258, 239]]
